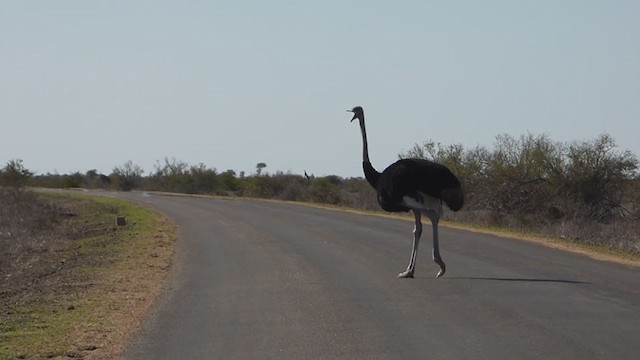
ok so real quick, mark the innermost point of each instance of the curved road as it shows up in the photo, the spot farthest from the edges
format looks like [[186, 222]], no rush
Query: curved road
[[262, 280]]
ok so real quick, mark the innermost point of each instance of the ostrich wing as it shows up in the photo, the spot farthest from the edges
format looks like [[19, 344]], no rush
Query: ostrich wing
[[411, 177]]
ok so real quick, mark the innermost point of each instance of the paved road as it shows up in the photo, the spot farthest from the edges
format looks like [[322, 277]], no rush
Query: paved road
[[259, 280]]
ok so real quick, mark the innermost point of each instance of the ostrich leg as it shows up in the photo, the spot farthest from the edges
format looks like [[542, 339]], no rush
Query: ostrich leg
[[417, 231], [435, 218]]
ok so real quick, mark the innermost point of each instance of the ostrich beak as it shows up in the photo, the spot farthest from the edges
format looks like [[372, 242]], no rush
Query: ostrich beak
[[354, 115]]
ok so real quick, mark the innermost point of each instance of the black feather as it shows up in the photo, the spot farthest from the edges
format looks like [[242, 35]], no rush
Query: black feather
[[411, 177]]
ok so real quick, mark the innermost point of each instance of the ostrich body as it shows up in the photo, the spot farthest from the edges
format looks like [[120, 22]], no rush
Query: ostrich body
[[417, 185]]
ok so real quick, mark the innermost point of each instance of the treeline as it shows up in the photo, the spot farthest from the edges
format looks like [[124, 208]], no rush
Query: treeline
[[173, 175], [534, 175], [587, 191], [583, 190]]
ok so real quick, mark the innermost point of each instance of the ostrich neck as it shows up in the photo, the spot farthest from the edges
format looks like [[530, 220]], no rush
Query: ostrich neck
[[365, 146], [371, 174]]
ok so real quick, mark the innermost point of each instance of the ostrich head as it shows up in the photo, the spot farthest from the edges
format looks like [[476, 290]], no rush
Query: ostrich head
[[357, 113]]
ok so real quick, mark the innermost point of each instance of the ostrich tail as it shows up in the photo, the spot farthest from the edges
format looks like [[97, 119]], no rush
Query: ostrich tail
[[453, 197]]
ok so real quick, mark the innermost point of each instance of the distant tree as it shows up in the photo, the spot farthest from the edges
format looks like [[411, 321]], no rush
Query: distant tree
[[127, 176], [326, 190], [229, 182], [92, 179], [259, 167], [203, 180], [104, 180], [15, 174], [74, 180], [172, 175], [598, 176], [91, 174]]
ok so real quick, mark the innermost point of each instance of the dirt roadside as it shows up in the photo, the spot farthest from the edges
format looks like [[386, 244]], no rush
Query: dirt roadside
[[76, 285]]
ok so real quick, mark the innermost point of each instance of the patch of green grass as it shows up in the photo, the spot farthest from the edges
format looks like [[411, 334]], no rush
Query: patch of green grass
[[40, 330], [39, 325]]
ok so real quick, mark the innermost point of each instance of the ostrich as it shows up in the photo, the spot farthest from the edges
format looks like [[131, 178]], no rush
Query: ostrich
[[413, 184]]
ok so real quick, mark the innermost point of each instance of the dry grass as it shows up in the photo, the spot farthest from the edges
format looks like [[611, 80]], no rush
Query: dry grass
[[618, 239], [24, 222], [82, 287]]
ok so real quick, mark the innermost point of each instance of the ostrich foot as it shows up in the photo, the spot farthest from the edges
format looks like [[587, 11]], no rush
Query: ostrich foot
[[406, 275], [443, 268]]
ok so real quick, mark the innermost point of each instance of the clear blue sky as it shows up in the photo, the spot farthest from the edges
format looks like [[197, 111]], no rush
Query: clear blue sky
[[92, 84]]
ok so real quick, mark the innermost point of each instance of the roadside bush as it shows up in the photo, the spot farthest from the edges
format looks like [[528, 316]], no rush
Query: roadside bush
[[598, 178], [574, 190], [15, 175], [533, 175], [229, 183], [357, 193], [94, 180], [127, 177]]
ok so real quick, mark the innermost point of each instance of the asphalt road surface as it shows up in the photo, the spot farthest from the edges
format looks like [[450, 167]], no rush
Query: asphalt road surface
[[262, 280]]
